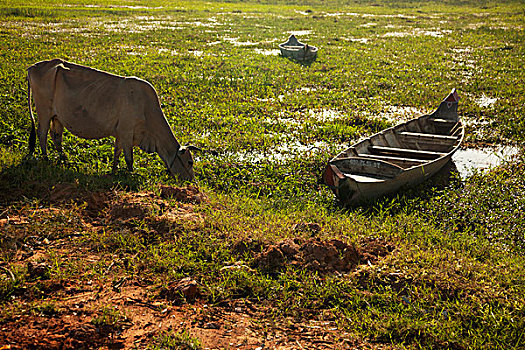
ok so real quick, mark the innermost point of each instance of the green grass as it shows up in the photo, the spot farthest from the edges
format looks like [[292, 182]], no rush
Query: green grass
[[455, 278]]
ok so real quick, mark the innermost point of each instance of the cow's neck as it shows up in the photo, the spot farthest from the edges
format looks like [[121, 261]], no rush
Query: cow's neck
[[168, 146]]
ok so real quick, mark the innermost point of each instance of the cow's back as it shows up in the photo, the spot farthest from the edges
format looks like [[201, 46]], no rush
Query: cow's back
[[90, 103]]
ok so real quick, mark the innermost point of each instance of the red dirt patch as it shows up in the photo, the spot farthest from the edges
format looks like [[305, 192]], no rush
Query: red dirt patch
[[30, 332], [48, 312]]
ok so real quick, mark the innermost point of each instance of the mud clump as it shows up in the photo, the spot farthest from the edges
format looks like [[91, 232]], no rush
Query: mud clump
[[66, 192], [321, 256], [38, 270], [372, 249], [190, 194], [313, 254], [246, 246], [97, 203], [185, 289], [126, 211]]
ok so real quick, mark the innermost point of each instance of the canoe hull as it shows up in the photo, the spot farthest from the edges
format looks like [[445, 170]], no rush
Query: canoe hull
[[296, 50], [349, 191], [399, 157]]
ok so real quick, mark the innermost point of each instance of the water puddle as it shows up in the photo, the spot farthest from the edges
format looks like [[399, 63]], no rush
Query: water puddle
[[470, 160], [306, 89], [418, 32], [129, 26], [272, 52], [168, 51], [359, 40], [325, 115], [399, 114], [485, 101], [197, 53], [283, 152], [236, 42], [283, 121], [300, 32], [212, 22], [304, 13]]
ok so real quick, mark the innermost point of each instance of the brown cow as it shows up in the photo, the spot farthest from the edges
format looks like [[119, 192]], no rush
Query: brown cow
[[93, 104]]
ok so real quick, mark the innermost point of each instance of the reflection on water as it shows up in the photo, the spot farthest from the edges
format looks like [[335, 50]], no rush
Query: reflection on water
[[274, 52], [300, 32], [485, 101], [470, 160]]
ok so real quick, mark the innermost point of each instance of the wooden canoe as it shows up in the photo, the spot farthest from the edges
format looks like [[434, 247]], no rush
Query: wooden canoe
[[397, 157], [296, 50]]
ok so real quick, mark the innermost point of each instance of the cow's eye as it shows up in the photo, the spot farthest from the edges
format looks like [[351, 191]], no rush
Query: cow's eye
[[190, 162]]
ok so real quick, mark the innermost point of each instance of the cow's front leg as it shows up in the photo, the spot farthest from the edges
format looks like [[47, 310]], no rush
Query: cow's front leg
[[128, 156]]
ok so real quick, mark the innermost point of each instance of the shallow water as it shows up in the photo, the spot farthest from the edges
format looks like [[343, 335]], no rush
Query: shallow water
[[270, 52], [236, 42], [418, 32], [485, 101], [300, 32], [399, 114], [470, 160]]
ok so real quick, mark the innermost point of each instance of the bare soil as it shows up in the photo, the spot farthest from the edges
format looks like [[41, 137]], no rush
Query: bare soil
[[48, 311]]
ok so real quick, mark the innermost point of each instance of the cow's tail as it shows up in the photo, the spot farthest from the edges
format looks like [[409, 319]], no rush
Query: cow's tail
[[32, 135]]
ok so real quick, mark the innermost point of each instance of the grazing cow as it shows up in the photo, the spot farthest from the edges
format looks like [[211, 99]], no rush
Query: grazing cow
[[93, 104]]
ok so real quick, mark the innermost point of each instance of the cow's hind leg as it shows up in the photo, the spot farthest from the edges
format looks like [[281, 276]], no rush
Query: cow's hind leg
[[128, 154], [44, 121], [116, 155], [57, 131]]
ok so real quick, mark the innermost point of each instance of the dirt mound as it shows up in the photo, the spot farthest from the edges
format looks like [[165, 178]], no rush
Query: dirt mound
[[189, 194], [246, 246], [66, 192], [321, 256], [372, 249], [53, 333], [123, 206]]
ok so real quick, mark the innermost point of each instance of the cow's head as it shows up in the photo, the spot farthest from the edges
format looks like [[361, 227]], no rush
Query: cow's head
[[182, 165]]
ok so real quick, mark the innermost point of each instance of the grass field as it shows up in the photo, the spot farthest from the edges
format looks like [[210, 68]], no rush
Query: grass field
[[257, 253]]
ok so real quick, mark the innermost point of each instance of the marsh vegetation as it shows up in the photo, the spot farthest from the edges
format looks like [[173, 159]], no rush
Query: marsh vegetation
[[257, 252]]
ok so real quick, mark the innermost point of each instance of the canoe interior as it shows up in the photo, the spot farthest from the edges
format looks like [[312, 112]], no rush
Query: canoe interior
[[407, 145]]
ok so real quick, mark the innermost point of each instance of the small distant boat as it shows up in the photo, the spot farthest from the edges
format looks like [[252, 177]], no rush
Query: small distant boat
[[400, 156], [296, 50]]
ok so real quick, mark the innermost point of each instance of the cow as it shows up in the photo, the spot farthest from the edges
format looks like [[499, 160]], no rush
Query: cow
[[94, 104]]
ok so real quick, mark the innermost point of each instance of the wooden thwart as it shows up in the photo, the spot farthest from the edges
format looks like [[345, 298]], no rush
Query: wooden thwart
[[419, 135], [393, 158], [404, 152]]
